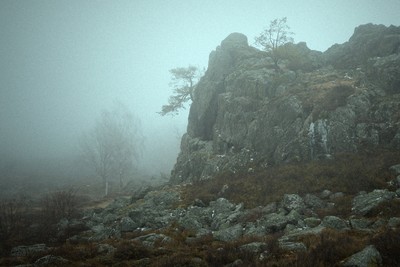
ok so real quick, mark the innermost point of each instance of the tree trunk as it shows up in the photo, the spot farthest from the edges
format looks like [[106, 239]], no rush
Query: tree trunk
[[106, 188]]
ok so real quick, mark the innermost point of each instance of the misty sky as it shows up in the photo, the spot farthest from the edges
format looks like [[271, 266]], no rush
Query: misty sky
[[62, 61]]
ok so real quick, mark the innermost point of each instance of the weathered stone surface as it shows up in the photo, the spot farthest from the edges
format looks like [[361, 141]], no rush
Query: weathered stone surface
[[360, 223], [150, 239], [245, 112], [394, 222], [336, 195], [386, 71], [105, 249], [292, 246], [229, 234], [162, 199], [367, 41], [293, 202], [254, 247], [277, 221], [325, 194], [312, 222], [314, 202], [364, 203], [21, 251], [236, 263], [253, 229], [335, 222], [51, 260], [128, 225], [368, 257], [100, 232], [395, 169]]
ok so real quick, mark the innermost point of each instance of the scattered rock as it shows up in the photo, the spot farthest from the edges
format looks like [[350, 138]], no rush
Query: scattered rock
[[22, 251], [105, 249], [314, 202], [276, 221], [368, 257], [312, 222], [360, 223], [128, 225], [335, 222], [364, 203], [236, 263], [394, 222], [293, 202], [293, 246], [51, 260], [229, 234], [150, 239], [336, 195], [397, 181], [325, 194], [395, 169], [254, 247]]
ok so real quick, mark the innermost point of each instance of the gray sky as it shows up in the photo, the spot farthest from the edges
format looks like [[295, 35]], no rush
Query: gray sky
[[62, 61]]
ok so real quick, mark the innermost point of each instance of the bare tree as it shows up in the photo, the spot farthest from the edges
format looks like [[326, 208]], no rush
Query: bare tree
[[184, 82], [274, 37], [113, 147]]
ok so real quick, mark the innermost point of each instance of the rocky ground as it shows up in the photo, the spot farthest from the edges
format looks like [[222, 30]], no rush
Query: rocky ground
[[157, 227], [289, 165]]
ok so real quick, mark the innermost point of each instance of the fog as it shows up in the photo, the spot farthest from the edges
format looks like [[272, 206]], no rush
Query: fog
[[62, 62]]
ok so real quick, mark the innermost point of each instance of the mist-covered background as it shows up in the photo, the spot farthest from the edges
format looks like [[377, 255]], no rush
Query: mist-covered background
[[62, 62]]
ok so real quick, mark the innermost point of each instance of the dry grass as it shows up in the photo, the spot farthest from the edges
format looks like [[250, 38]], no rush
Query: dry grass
[[347, 173], [330, 247]]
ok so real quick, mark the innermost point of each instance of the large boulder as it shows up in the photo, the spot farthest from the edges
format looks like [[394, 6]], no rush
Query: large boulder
[[364, 203], [229, 234], [368, 257]]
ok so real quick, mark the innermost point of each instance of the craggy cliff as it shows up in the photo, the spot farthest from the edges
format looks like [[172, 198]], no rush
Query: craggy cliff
[[248, 114]]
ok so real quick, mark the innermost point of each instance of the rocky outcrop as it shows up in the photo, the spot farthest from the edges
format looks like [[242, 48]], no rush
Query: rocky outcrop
[[245, 113], [368, 41]]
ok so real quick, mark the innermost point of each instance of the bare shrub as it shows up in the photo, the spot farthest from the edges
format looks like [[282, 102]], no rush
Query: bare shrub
[[60, 204], [12, 220]]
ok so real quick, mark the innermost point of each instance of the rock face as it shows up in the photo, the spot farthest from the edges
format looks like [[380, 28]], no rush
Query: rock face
[[247, 113], [368, 41]]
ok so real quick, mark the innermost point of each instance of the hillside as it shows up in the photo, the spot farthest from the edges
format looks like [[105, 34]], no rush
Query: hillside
[[295, 166]]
